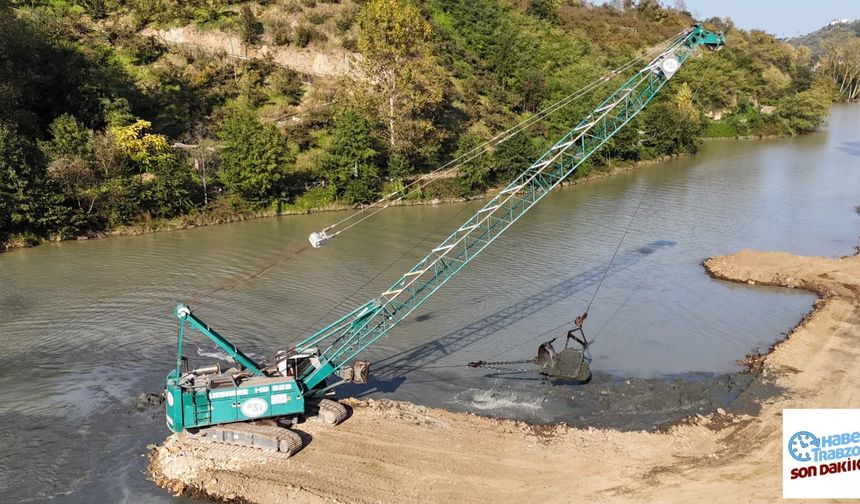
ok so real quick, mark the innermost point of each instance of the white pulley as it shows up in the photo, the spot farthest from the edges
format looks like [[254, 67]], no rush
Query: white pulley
[[669, 65], [318, 238]]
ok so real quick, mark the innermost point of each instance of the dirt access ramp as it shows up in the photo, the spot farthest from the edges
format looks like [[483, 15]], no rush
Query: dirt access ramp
[[399, 452]]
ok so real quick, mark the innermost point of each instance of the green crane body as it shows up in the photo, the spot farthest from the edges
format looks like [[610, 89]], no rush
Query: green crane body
[[287, 389]]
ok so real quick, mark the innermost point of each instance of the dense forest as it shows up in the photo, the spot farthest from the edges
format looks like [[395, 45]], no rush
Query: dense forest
[[105, 124]]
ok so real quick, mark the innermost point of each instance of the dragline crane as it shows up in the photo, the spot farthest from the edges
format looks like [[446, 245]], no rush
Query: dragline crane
[[220, 404]]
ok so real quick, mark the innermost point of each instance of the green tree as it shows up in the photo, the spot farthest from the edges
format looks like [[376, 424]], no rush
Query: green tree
[[806, 110], [477, 169], [405, 80], [70, 162], [544, 9], [512, 157], [15, 180], [254, 155], [624, 145], [350, 162], [29, 205], [668, 131], [168, 190], [69, 138]]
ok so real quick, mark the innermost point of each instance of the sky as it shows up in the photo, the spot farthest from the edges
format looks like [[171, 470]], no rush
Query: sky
[[785, 18]]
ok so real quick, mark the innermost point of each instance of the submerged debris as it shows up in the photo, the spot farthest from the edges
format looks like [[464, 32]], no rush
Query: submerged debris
[[147, 401]]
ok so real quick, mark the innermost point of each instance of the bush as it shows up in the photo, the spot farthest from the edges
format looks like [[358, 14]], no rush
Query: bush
[[345, 20], [544, 9], [249, 27], [145, 50], [281, 32], [316, 197], [721, 129], [318, 18], [306, 34], [292, 7], [287, 83], [350, 43]]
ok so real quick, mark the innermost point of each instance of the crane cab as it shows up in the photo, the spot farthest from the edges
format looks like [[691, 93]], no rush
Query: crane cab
[[206, 396]]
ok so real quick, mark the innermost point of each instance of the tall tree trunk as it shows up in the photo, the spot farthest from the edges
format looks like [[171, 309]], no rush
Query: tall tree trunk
[[203, 179], [392, 114]]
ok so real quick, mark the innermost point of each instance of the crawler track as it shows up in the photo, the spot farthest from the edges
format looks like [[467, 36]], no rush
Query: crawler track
[[268, 438]]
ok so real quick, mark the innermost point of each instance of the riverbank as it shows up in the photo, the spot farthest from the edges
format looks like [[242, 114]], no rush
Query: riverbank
[[399, 452], [217, 216]]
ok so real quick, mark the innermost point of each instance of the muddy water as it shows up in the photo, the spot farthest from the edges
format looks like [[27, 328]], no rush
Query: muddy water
[[86, 326]]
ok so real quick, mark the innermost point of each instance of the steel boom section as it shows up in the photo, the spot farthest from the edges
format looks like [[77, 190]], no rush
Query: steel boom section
[[353, 333]]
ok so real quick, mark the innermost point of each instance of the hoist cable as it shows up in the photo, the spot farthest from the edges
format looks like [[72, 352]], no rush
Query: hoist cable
[[677, 128], [615, 254], [274, 260]]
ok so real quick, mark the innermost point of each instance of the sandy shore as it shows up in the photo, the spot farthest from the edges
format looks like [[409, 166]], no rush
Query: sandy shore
[[399, 452]]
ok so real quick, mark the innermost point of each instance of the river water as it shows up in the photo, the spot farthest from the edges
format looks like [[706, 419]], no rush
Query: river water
[[87, 326]]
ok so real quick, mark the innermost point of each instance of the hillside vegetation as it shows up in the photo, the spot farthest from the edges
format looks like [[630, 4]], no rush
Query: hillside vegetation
[[836, 49], [818, 40], [104, 126]]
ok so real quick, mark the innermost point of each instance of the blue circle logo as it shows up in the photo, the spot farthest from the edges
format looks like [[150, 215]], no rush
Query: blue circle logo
[[801, 444]]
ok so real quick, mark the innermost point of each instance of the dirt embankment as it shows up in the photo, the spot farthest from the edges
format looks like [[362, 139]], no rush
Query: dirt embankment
[[398, 452], [331, 62]]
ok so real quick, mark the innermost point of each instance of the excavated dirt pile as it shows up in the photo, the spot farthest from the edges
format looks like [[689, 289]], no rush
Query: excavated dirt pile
[[399, 452]]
